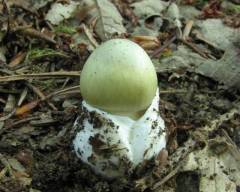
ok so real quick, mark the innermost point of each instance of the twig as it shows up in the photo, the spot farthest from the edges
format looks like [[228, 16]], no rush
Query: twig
[[187, 29], [59, 74], [172, 91], [70, 92], [165, 179], [43, 122], [34, 33], [8, 115], [195, 48], [200, 37], [217, 52], [65, 82], [165, 45], [16, 123], [41, 95]]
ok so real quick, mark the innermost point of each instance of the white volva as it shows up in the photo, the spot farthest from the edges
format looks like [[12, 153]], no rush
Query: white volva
[[113, 145], [120, 125]]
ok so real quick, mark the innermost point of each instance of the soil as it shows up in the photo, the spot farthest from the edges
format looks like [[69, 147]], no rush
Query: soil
[[47, 151]]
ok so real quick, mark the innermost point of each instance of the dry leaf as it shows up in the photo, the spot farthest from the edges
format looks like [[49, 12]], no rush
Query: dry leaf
[[109, 22], [17, 59], [146, 42], [212, 10], [59, 12], [226, 70], [26, 108], [147, 8]]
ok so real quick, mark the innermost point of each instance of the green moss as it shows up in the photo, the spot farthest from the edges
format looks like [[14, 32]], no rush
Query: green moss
[[232, 8], [65, 29], [40, 53]]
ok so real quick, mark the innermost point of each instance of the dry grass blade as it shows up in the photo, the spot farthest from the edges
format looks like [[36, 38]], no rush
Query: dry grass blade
[[90, 36], [22, 96], [62, 91], [49, 75], [234, 148]]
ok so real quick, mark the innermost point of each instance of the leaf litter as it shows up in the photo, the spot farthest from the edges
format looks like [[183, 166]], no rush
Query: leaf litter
[[195, 49]]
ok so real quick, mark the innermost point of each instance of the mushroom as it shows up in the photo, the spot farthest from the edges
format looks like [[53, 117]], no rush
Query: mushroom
[[120, 125]]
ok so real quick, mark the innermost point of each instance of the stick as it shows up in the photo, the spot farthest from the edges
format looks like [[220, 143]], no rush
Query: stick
[[59, 74]]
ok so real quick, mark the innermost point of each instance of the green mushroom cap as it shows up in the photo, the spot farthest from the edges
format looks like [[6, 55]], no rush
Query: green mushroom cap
[[119, 77]]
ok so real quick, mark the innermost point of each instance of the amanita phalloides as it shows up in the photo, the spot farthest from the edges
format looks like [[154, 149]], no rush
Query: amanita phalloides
[[120, 126]]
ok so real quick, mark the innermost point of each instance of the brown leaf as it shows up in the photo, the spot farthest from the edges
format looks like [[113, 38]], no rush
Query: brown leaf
[[17, 59], [126, 11], [212, 10], [233, 21], [26, 108], [146, 42], [83, 11]]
